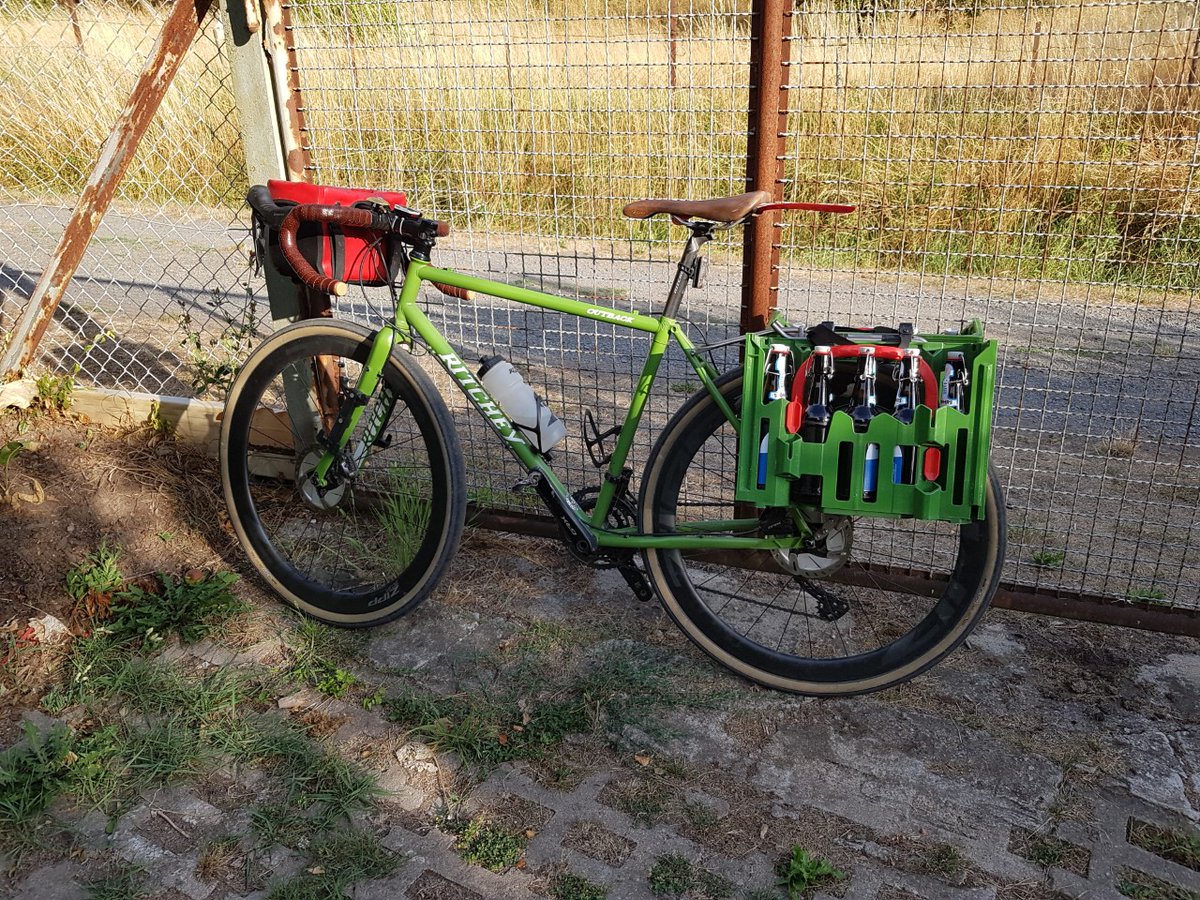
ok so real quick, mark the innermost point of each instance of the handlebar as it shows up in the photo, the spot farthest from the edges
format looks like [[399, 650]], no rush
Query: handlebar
[[410, 228]]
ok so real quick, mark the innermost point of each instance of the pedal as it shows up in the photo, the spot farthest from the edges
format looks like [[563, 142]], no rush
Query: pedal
[[637, 581], [593, 438]]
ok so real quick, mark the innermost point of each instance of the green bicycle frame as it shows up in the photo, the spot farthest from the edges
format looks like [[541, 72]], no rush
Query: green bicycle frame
[[409, 318]]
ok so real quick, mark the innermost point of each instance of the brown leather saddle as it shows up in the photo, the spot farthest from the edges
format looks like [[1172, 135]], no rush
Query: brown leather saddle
[[721, 209]]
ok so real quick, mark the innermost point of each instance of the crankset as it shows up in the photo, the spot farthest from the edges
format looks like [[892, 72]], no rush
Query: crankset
[[621, 514]]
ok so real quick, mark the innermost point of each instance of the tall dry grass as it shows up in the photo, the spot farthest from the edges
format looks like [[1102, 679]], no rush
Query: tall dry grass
[[59, 101], [1049, 141]]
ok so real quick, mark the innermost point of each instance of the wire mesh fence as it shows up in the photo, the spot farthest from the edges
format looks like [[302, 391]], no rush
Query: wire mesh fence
[[1031, 164], [159, 303]]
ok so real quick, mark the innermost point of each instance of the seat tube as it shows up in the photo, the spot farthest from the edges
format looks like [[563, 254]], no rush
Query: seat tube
[[658, 347]]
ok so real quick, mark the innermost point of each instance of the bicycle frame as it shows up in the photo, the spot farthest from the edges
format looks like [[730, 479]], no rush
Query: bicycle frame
[[410, 319]]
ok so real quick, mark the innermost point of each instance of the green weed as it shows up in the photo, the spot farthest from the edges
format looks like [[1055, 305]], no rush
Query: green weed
[[1049, 559], [10, 451], [1145, 595], [483, 844], [54, 392], [311, 663], [122, 883], [32, 774], [1142, 886], [98, 574], [352, 856], [192, 607], [281, 823], [569, 886], [801, 872], [403, 516], [940, 859], [535, 701]]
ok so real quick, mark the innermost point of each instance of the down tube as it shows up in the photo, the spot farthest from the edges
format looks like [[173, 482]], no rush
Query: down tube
[[475, 392]]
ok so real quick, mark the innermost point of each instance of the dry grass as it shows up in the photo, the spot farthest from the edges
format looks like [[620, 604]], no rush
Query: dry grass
[[1050, 142]]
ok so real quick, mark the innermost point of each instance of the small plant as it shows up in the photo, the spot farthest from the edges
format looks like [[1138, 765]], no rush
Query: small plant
[[801, 872], [156, 424], [1180, 844], [940, 859], [373, 700], [54, 392], [310, 664], [32, 774], [124, 883], [483, 844], [671, 875], [10, 450], [1142, 886], [569, 886], [191, 606], [1145, 595], [97, 576], [1049, 559]]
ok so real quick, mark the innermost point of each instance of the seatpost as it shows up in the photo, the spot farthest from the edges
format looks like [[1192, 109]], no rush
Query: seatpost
[[691, 264]]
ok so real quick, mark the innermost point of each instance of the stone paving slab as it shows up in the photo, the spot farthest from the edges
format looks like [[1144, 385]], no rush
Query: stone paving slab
[[995, 744]]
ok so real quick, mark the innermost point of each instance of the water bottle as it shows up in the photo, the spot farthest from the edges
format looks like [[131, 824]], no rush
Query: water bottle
[[518, 401]]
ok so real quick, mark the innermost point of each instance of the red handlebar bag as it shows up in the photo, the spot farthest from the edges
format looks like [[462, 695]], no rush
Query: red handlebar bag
[[352, 255]]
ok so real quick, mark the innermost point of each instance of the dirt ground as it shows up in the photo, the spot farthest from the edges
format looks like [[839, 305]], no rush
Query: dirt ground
[[1037, 726]]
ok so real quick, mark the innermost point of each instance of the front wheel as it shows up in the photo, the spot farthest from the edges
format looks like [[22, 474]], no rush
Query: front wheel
[[870, 604], [373, 543]]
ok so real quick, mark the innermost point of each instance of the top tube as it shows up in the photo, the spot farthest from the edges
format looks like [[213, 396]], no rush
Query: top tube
[[427, 272]]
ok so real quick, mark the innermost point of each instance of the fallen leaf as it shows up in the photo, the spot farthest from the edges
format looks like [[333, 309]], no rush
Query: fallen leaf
[[316, 870], [762, 832], [642, 759], [503, 739], [520, 863], [530, 833]]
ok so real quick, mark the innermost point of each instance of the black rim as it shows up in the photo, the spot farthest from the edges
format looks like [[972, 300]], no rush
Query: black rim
[[371, 599], [958, 601]]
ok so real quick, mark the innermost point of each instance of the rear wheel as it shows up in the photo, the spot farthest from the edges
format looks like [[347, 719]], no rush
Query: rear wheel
[[373, 544], [869, 603]]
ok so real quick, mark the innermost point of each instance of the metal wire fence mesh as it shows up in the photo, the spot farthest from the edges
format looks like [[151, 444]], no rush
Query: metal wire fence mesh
[[159, 303], [1031, 164]]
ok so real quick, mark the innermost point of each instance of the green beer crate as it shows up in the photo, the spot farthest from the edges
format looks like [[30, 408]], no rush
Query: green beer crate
[[944, 450]]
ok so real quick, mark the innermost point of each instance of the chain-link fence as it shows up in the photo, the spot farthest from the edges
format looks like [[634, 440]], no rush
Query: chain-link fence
[[1027, 163], [159, 303]]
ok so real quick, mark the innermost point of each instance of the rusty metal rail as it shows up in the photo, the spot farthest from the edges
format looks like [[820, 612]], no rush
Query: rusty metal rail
[[177, 35]]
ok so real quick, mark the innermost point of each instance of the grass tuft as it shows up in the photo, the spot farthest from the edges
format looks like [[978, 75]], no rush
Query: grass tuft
[[569, 886], [802, 872], [1179, 844], [482, 843]]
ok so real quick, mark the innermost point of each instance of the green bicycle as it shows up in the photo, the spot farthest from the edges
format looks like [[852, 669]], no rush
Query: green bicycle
[[345, 483]]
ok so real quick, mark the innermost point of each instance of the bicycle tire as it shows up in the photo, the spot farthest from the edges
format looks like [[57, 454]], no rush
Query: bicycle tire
[[374, 548], [736, 610]]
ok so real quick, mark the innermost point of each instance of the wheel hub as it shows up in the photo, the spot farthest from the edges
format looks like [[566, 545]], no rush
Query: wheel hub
[[824, 553], [313, 495]]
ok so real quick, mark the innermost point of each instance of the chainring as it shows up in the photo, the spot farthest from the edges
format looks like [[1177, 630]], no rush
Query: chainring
[[622, 514]]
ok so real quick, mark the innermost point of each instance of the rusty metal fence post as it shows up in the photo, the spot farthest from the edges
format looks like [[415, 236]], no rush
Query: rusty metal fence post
[[177, 35], [767, 128]]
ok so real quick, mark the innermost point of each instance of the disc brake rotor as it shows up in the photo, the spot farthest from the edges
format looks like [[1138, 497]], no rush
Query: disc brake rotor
[[313, 495], [826, 552]]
